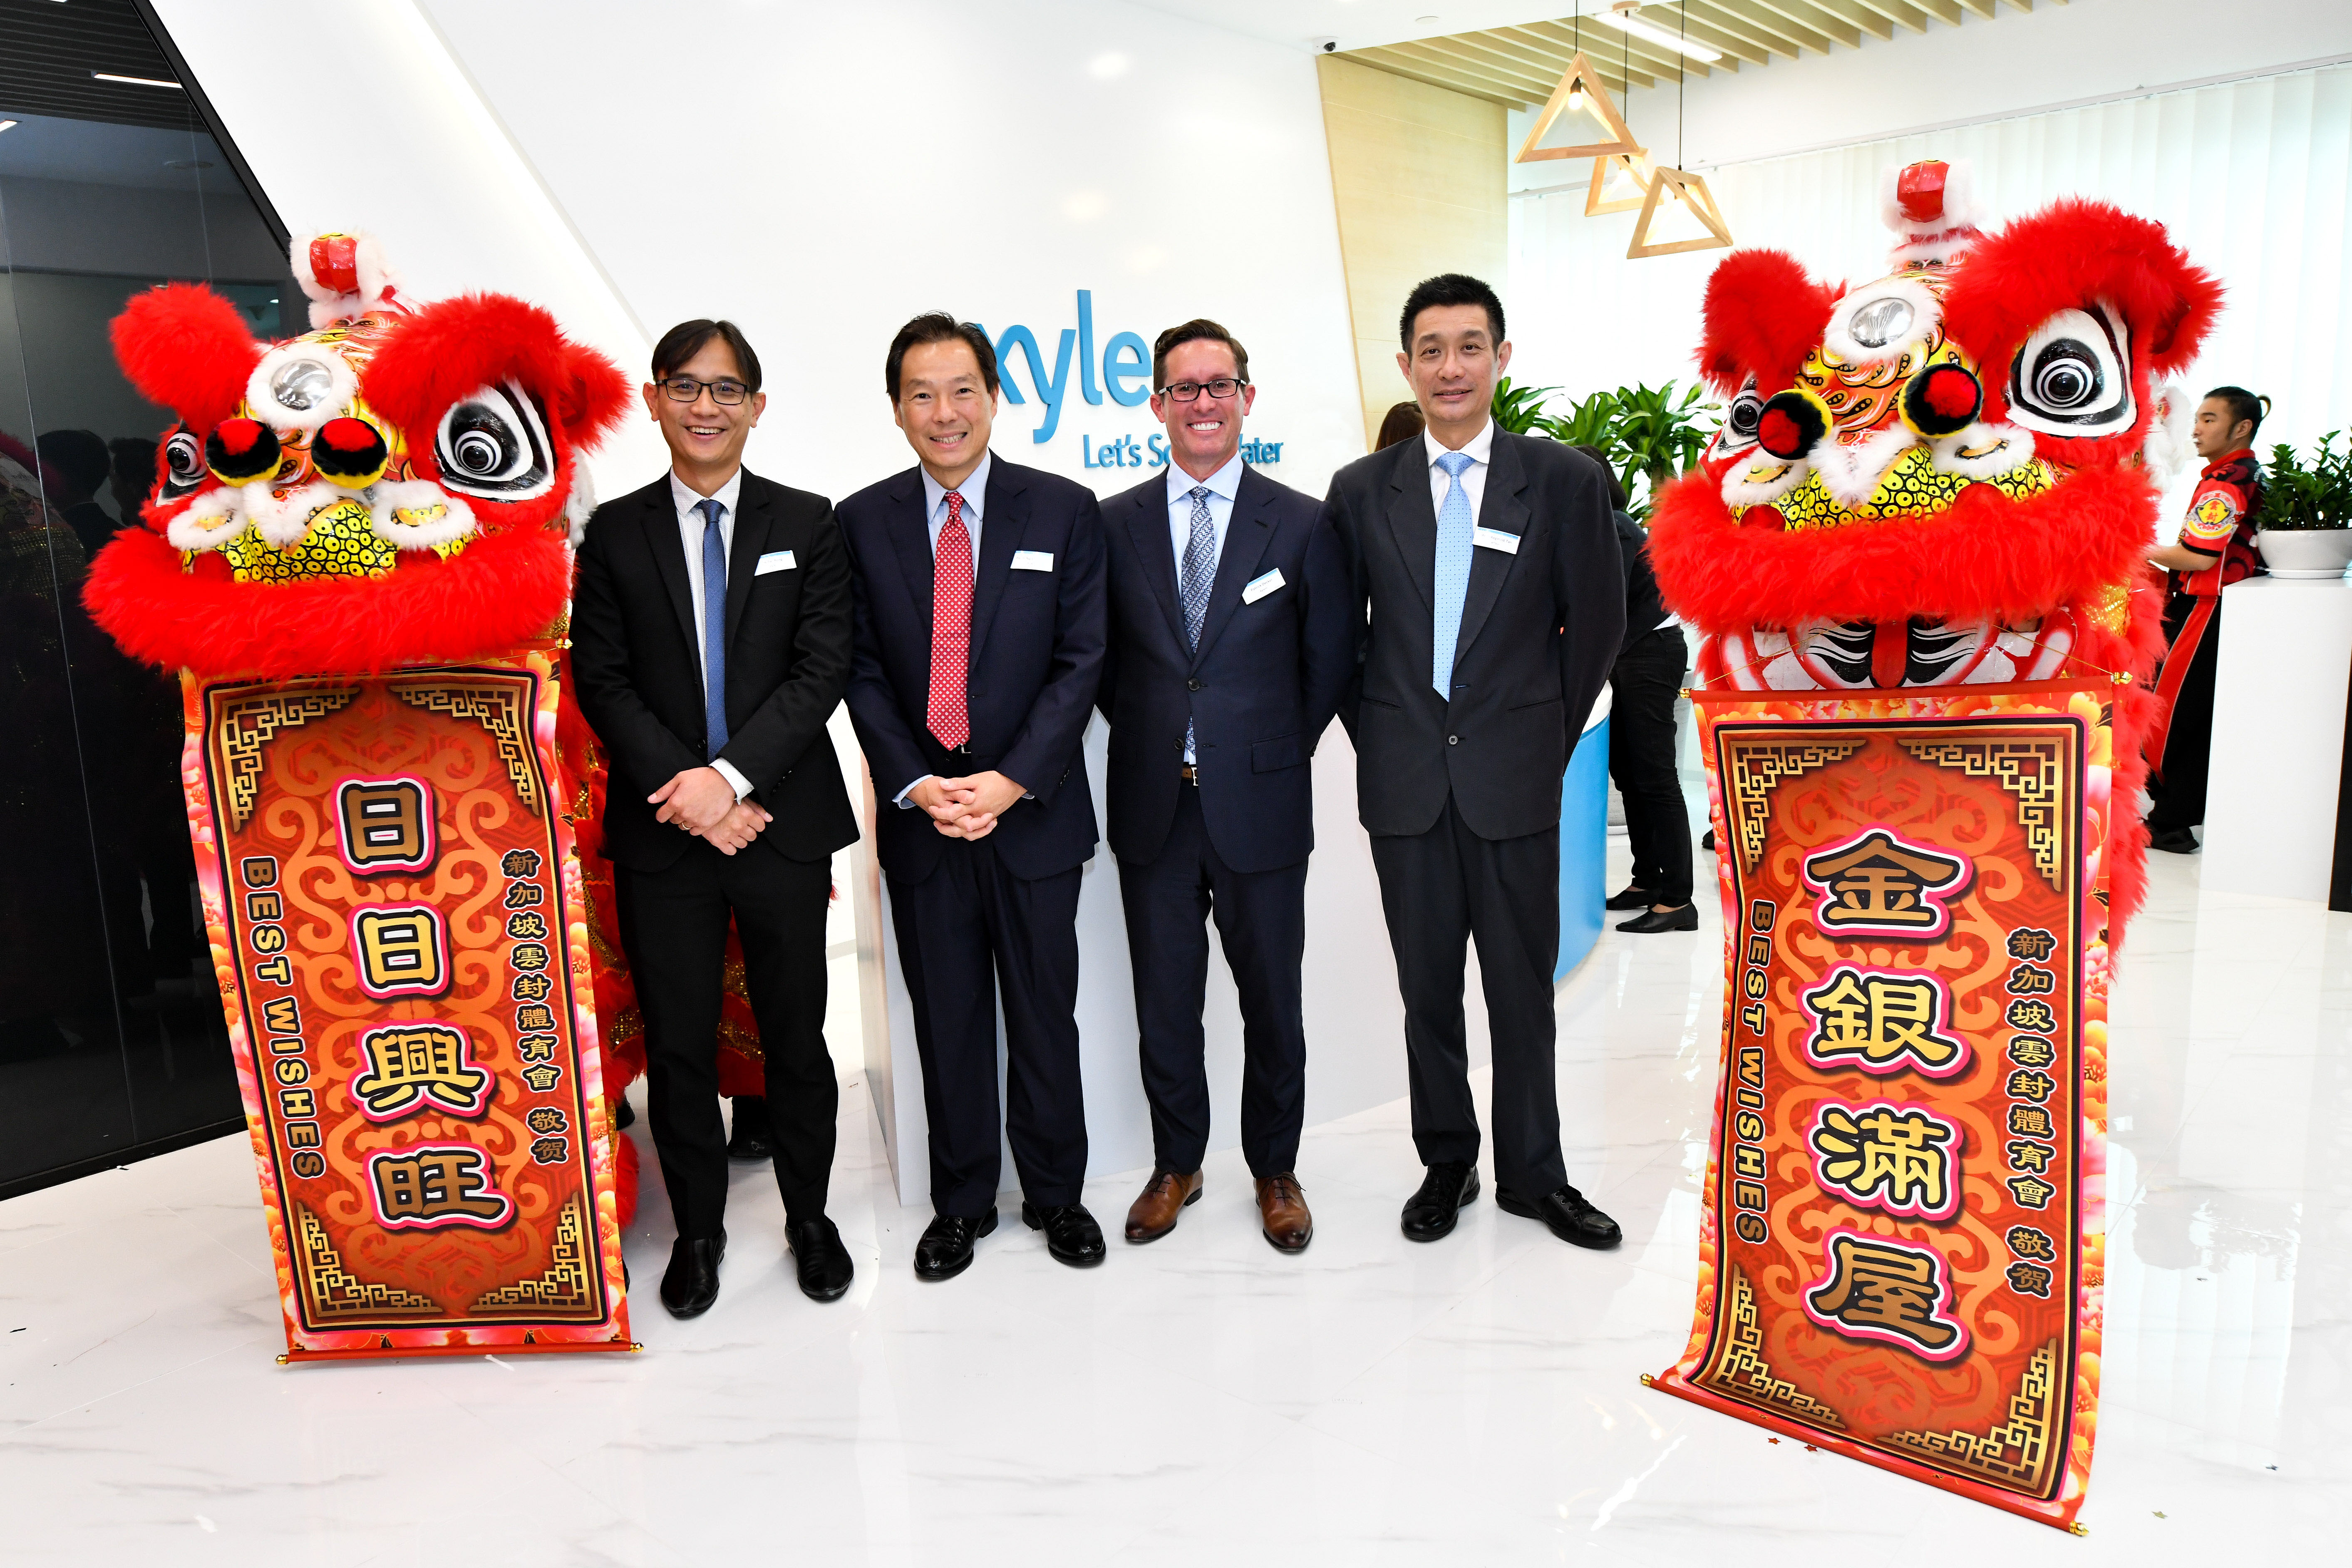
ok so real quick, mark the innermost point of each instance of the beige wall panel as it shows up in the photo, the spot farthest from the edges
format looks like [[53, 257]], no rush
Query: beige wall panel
[[1418, 175]]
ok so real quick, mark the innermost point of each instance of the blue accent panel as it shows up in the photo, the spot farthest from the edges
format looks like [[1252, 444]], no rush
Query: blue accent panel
[[1583, 848]]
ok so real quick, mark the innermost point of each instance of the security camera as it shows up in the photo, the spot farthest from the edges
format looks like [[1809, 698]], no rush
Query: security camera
[[1327, 46]]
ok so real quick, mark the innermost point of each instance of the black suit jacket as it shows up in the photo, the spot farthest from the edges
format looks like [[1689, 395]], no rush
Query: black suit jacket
[[637, 666], [1263, 683], [1037, 655], [1540, 629], [1643, 606]]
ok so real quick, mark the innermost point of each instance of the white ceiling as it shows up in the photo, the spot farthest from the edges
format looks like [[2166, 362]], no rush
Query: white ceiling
[[1359, 24]]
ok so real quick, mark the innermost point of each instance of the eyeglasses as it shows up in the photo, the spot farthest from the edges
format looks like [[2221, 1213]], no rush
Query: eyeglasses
[[1225, 386], [686, 389]]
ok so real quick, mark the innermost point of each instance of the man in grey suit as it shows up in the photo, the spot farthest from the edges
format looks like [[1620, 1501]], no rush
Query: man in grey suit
[[1491, 604]]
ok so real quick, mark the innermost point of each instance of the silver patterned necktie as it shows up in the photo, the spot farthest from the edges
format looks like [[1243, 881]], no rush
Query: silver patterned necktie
[[1200, 574]]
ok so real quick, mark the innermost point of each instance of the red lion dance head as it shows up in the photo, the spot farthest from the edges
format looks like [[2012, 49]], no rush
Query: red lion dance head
[[1949, 475], [395, 486]]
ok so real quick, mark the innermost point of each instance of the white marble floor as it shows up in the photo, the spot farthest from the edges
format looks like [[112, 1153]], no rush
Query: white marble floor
[[1206, 1400]]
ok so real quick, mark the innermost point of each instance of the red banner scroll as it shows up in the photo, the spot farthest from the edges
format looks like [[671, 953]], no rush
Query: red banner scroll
[[398, 929], [1900, 1252]]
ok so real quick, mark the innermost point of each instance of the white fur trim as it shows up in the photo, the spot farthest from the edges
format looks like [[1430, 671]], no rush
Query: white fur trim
[[342, 385], [2166, 449], [1926, 315], [390, 497], [1982, 451], [1941, 250], [579, 503], [286, 520], [1963, 206], [1851, 474], [208, 522], [1763, 481], [377, 279]]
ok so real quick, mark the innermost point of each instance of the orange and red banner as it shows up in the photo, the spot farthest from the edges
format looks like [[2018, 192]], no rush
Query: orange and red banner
[[398, 929], [1901, 1244]]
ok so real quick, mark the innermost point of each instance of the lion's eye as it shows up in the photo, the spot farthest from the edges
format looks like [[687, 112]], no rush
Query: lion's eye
[[183, 464], [1741, 420], [492, 443], [2073, 377]]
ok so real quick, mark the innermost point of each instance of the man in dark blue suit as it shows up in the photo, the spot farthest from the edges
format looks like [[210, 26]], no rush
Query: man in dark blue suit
[[1231, 646], [978, 634]]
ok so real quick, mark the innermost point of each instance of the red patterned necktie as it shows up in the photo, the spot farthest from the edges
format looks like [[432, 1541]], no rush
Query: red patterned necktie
[[949, 717]]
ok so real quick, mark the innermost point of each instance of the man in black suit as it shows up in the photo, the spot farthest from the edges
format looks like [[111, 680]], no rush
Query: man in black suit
[[979, 626], [1488, 566], [1230, 649], [710, 631]]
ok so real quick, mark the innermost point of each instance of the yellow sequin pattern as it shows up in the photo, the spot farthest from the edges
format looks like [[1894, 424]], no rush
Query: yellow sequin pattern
[[1913, 487], [340, 544]]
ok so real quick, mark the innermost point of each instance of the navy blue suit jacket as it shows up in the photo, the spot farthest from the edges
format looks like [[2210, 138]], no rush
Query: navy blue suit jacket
[[1037, 655], [1259, 690]]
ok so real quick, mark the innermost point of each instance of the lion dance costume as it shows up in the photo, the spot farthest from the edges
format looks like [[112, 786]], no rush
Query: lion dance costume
[[357, 554], [1915, 556]]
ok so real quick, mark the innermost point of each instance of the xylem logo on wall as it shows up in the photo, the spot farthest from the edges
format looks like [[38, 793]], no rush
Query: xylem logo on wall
[[1126, 375]]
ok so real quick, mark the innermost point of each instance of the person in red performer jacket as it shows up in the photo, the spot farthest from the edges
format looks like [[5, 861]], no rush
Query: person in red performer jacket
[[2216, 549]]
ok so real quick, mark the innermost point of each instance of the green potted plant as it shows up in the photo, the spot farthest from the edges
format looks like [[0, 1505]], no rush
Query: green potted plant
[[2306, 520]]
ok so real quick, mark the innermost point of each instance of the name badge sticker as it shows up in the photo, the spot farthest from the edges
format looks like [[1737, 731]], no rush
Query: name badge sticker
[[1259, 587], [775, 561], [1495, 538], [1032, 561]]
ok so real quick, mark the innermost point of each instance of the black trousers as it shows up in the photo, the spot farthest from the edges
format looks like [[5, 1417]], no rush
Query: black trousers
[[2177, 800], [1643, 686], [674, 928], [969, 929], [1439, 889], [1262, 919]]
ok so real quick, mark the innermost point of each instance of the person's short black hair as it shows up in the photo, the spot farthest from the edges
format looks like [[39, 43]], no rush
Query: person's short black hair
[[2247, 405], [685, 340], [1617, 495], [78, 457], [1402, 422], [1197, 329], [938, 327], [1449, 289], [135, 460]]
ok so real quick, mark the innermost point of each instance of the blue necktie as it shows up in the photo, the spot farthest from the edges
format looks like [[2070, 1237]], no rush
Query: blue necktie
[[714, 629], [1454, 530], [1200, 574]]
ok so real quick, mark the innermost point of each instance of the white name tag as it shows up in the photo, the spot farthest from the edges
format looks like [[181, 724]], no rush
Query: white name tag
[[1260, 588], [1495, 538], [775, 561], [1032, 561]]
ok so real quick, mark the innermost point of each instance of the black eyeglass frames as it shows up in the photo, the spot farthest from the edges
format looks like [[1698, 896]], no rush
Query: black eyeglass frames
[[686, 389]]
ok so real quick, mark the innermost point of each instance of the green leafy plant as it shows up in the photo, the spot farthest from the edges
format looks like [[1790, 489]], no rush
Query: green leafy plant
[[1519, 410], [1647, 435], [2296, 497]]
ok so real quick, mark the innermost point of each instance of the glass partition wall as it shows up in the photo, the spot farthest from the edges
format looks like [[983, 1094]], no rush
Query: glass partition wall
[[111, 181]]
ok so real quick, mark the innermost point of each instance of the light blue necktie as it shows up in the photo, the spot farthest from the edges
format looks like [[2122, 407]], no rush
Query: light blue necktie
[[1199, 572], [1454, 530], [714, 629]]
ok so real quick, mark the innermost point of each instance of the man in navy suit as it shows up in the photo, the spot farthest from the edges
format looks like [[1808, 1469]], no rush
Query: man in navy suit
[[1231, 646], [979, 632]]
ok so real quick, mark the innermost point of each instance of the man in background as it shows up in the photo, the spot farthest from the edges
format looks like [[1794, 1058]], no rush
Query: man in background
[[1486, 580], [80, 460], [710, 630], [1230, 646], [979, 627]]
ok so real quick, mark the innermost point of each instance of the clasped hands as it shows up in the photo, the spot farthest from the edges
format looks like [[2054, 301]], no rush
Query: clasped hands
[[701, 801], [966, 807]]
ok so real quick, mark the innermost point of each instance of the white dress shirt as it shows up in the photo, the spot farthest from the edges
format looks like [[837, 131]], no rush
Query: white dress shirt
[[974, 491], [1221, 486], [689, 534], [1479, 448]]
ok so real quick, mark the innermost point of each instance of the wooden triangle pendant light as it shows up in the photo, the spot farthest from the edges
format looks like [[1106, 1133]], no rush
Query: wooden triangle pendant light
[[1584, 102], [1673, 191], [1620, 182]]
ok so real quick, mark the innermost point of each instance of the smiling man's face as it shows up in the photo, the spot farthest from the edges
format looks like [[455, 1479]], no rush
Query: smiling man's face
[[706, 437], [945, 408], [1203, 434]]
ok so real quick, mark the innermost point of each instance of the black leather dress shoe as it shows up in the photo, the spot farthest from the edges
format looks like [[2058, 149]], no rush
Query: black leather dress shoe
[[820, 1259], [1429, 1212], [1648, 920], [1707, 841], [945, 1250], [1631, 898], [624, 1115], [2175, 841], [751, 1137], [1570, 1218], [1071, 1233], [691, 1283]]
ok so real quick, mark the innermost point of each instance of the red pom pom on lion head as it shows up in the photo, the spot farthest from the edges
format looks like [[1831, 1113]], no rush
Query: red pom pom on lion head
[[397, 485]]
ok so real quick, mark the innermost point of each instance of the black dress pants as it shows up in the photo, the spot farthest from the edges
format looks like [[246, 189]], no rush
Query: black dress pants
[[965, 931], [1439, 889], [2178, 799], [1262, 919], [1643, 686], [674, 928]]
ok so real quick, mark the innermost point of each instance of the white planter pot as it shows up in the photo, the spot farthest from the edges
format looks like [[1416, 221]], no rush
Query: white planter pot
[[2316, 553]]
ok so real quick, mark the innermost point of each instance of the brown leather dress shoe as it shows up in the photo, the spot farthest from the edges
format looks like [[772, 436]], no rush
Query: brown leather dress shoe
[[1153, 1212], [1283, 1214]]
